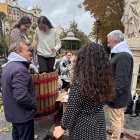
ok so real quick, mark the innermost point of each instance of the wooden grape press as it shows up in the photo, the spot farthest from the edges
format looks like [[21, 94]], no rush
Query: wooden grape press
[[46, 90]]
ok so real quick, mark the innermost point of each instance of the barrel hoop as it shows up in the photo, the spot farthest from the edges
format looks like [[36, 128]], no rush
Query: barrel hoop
[[46, 110], [46, 80], [46, 117], [46, 95]]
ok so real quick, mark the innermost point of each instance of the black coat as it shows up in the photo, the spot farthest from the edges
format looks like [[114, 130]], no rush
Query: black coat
[[122, 66], [18, 93], [84, 118]]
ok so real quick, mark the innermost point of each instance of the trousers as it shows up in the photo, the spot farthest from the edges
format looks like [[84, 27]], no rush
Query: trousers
[[117, 122], [23, 131]]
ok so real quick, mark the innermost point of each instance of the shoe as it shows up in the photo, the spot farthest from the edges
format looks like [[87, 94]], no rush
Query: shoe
[[133, 115], [122, 135], [109, 131]]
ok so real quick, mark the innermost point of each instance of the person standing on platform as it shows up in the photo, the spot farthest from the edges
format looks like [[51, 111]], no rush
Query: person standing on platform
[[47, 43], [18, 92], [19, 31], [122, 66], [19, 34], [92, 87]]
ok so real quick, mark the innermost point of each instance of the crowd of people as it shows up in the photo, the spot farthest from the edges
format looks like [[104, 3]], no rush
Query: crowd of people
[[93, 80]]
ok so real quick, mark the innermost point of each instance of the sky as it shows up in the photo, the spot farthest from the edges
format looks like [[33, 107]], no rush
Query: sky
[[62, 12]]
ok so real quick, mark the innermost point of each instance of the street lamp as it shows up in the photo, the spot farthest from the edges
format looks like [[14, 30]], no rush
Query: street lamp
[[98, 24]]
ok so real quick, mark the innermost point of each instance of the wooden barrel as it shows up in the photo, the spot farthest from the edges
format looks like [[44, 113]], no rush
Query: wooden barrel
[[46, 90]]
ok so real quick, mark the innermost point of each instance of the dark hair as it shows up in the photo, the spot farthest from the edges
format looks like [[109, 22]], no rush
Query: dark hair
[[44, 20], [23, 20], [94, 72]]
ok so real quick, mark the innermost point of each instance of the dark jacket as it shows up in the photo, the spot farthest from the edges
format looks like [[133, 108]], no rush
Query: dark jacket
[[18, 92], [122, 66]]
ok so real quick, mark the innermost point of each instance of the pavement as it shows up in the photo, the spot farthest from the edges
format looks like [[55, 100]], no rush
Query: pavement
[[43, 127]]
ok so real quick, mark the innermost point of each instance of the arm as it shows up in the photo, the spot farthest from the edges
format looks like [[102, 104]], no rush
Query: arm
[[15, 36], [74, 108], [20, 85], [57, 43]]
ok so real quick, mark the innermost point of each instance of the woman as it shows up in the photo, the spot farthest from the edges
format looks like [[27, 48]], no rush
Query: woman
[[47, 42], [92, 88], [66, 69], [19, 31]]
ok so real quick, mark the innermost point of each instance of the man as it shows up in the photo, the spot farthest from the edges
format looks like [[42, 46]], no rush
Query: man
[[122, 66], [18, 92]]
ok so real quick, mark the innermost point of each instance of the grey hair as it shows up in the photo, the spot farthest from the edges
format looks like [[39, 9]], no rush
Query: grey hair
[[14, 47], [17, 46], [116, 34]]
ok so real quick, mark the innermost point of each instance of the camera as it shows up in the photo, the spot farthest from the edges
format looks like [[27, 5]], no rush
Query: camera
[[69, 62]]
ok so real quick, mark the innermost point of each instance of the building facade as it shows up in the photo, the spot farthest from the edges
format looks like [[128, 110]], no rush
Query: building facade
[[14, 12]]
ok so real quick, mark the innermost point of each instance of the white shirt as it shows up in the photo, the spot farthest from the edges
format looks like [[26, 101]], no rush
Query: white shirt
[[45, 41]]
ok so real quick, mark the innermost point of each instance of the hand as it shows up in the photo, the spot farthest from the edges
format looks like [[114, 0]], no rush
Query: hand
[[58, 131], [53, 49], [34, 45]]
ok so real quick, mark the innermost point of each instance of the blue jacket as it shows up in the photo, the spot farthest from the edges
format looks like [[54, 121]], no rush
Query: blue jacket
[[18, 92]]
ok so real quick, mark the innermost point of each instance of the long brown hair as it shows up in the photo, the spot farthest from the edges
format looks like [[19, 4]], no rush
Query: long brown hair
[[44, 20], [94, 72]]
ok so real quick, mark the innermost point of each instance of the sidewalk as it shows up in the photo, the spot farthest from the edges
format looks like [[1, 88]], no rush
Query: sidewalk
[[42, 127]]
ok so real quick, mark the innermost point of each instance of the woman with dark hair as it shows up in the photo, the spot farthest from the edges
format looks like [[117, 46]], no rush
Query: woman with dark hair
[[19, 31], [92, 88], [47, 43]]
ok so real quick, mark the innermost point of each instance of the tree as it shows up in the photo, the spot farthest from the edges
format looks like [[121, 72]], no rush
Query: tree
[[2, 40], [2, 17], [73, 27], [108, 12], [32, 31]]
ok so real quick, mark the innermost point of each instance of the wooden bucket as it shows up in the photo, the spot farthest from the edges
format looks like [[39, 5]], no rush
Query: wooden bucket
[[46, 90]]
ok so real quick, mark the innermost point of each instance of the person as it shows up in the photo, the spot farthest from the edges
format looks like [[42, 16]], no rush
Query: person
[[18, 92], [66, 69], [19, 31], [122, 66], [19, 34], [47, 42], [131, 18], [57, 62], [92, 86]]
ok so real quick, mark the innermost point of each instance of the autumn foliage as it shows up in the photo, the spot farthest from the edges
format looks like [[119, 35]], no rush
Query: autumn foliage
[[109, 12]]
